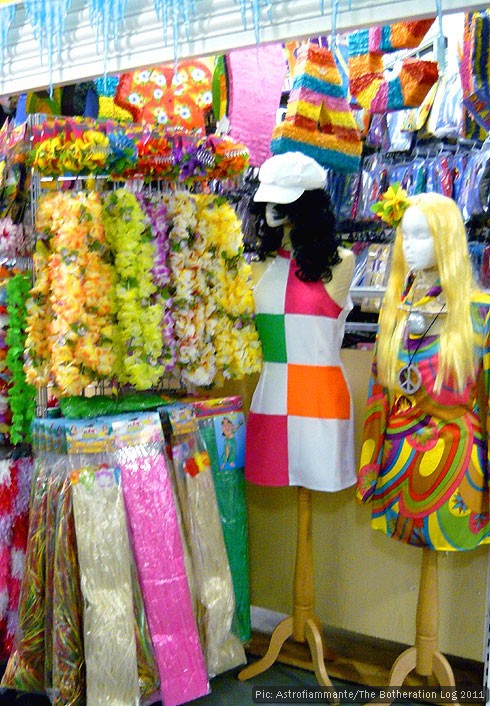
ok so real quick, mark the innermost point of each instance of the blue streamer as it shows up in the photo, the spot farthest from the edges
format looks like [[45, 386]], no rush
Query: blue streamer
[[107, 16], [175, 12], [441, 42], [256, 7], [7, 15], [48, 19]]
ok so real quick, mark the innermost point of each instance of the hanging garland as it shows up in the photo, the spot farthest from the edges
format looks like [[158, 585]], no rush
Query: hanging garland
[[70, 329], [238, 350], [211, 287], [194, 311], [156, 218], [138, 342], [22, 395], [39, 310]]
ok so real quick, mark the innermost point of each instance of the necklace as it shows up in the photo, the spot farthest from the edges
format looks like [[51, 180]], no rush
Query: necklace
[[409, 376], [417, 319]]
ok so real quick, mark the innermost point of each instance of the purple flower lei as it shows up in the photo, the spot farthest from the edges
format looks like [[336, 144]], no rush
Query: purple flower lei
[[156, 216]]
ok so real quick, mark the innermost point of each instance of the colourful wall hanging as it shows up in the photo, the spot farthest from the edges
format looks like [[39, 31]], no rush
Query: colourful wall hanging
[[163, 96], [318, 119], [368, 85], [256, 78]]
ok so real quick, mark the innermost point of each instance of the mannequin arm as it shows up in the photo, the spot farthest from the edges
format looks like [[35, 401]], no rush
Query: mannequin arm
[[339, 285]]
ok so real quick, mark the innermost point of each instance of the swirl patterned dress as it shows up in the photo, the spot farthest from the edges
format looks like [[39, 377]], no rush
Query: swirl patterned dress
[[424, 460]]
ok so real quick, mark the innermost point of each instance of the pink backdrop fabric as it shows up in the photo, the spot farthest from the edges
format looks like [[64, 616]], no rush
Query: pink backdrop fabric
[[256, 77]]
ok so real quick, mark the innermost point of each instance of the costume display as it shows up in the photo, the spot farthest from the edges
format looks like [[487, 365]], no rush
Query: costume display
[[300, 427], [424, 457]]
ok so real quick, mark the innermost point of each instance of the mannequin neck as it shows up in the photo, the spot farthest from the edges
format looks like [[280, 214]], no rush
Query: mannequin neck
[[286, 237]]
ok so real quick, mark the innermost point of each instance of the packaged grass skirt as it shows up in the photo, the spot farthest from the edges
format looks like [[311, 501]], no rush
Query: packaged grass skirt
[[95, 551], [213, 587], [222, 427], [158, 551]]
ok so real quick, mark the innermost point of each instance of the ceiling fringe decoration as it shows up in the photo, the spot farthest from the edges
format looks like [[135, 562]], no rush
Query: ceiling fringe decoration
[[48, 20], [7, 15], [107, 16], [256, 7], [175, 13]]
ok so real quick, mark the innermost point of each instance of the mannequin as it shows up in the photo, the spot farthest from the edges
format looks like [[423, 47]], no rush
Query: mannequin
[[300, 425], [424, 461]]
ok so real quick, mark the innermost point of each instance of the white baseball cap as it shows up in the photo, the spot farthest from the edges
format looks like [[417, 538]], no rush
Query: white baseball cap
[[284, 177]]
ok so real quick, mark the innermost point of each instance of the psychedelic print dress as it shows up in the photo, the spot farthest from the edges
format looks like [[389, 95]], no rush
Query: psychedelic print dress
[[300, 428], [424, 460]]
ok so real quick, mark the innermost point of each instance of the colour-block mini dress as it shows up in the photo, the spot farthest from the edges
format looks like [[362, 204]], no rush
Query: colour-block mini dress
[[424, 462], [300, 428]]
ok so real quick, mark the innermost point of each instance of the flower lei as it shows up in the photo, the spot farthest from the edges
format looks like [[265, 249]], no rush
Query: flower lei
[[156, 218], [212, 292], [78, 286], [39, 311], [392, 205], [194, 311], [238, 350], [139, 344], [13, 240], [22, 395], [66, 154]]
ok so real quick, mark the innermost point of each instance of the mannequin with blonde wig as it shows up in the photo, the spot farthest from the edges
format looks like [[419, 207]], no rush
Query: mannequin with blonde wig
[[424, 464], [456, 353]]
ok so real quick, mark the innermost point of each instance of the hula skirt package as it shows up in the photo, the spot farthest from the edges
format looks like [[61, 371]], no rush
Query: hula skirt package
[[213, 586], [105, 572], [222, 427]]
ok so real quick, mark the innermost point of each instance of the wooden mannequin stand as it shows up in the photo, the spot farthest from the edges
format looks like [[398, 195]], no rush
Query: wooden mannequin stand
[[425, 657], [303, 625]]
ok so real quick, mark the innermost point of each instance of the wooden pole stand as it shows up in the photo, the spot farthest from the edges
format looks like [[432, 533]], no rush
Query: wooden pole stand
[[424, 658], [303, 625]]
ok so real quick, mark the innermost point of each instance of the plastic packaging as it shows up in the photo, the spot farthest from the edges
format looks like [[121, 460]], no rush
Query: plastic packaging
[[68, 661], [222, 428], [25, 668], [202, 526], [158, 552], [105, 573]]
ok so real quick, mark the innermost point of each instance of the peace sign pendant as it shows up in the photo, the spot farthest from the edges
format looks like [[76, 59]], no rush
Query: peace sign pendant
[[409, 379]]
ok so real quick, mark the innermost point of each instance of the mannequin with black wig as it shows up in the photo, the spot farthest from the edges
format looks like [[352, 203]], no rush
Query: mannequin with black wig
[[312, 234], [300, 423]]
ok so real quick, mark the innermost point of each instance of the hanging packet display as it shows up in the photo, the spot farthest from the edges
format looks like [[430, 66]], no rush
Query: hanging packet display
[[215, 602], [221, 425], [159, 555]]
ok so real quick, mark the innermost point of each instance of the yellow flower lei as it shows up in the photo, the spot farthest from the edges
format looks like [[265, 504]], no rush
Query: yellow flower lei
[[138, 340], [77, 288]]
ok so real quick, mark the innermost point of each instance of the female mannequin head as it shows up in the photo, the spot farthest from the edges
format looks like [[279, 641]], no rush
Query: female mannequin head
[[291, 196], [417, 240], [448, 251]]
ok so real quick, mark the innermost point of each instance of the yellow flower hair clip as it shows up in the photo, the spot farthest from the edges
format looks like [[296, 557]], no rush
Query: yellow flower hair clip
[[392, 206]]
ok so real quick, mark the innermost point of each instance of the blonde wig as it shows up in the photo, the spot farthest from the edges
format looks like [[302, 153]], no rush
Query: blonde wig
[[456, 350]]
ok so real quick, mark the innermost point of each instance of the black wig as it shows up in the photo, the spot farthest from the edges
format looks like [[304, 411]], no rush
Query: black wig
[[313, 235]]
